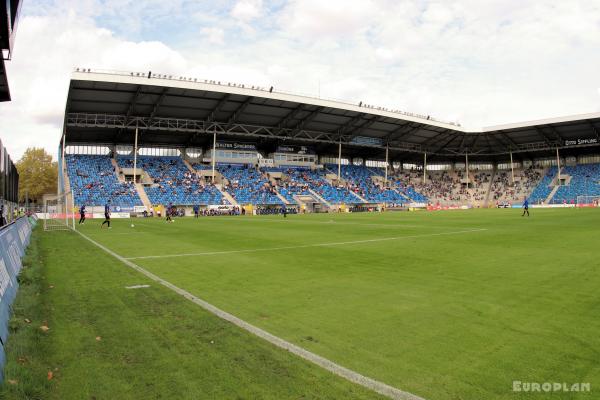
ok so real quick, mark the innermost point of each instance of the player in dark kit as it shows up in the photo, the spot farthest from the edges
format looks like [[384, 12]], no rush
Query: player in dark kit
[[284, 212], [169, 211], [196, 211], [82, 214], [106, 215], [525, 208]]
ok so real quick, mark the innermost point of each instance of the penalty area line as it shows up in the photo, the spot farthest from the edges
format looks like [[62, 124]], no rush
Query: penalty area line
[[302, 246], [343, 372]]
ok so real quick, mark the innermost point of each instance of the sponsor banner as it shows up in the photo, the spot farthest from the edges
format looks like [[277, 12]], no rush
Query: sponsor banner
[[552, 206], [289, 149], [139, 209], [235, 146], [578, 142], [221, 207]]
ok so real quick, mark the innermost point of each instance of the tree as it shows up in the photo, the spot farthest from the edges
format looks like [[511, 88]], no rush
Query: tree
[[38, 174]]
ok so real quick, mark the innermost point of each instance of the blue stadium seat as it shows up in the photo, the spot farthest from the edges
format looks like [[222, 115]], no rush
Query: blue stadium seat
[[94, 182]]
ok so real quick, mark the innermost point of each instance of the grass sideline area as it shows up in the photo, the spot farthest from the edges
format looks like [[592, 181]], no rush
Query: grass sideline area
[[445, 305], [108, 342]]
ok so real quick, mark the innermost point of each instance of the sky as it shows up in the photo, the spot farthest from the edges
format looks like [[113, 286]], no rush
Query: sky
[[479, 63]]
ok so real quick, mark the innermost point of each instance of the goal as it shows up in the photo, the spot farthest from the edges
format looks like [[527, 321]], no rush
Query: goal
[[589, 200], [59, 212]]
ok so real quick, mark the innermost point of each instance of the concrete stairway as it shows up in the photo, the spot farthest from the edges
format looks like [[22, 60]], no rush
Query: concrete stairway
[[66, 181], [189, 166], [551, 195], [486, 201], [285, 201], [120, 177], [227, 196], [322, 200], [402, 194], [143, 196]]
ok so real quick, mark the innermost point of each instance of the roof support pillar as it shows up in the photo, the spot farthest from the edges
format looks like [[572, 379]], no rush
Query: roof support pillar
[[135, 152], [214, 155], [467, 167], [512, 169], [340, 161], [387, 156], [424, 168], [558, 165]]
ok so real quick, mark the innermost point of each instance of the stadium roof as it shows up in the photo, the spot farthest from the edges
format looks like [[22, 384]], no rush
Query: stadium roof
[[106, 107], [9, 18]]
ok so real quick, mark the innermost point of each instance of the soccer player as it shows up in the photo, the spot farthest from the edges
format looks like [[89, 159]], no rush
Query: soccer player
[[525, 207], [82, 214], [196, 210], [168, 211], [284, 212], [106, 215]]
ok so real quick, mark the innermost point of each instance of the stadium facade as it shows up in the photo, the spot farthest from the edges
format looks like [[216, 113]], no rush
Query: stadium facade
[[277, 149]]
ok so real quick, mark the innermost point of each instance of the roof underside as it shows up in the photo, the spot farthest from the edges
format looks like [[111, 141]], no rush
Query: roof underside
[[4, 90], [107, 109]]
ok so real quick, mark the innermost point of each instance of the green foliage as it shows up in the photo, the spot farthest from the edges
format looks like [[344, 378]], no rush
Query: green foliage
[[38, 174]]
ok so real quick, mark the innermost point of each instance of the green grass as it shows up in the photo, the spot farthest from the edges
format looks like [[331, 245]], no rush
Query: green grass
[[437, 309], [153, 343]]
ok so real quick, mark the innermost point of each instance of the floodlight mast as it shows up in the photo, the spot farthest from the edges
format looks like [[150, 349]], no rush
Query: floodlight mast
[[558, 165]]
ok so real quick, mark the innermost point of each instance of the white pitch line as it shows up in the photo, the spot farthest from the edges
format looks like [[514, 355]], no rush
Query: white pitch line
[[343, 372], [212, 253]]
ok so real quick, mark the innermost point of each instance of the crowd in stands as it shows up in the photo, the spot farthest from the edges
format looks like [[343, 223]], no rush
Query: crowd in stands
[[247, 185], [173, 182], [503, 191], [93, 181]]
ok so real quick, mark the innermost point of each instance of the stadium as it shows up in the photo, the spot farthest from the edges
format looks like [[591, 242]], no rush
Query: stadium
[[261, 244]]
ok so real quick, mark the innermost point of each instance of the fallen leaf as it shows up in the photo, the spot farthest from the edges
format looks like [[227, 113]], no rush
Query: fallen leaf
[[27, 320], [98, 338], [22, 360], [51, 286], [44, 328], [12, 381], [50, 375]]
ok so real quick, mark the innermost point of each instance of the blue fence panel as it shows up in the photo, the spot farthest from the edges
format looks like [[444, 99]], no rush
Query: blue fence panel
[[14, 239]]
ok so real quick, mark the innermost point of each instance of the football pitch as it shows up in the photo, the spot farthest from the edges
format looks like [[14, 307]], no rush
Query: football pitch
[[443, 305]]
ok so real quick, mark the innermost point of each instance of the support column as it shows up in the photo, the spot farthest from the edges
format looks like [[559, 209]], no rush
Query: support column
[[558, 164], [512, 169], [135, 150], [387, 154], [424, 168], [214, 155], [340, 161], [63, 166], [467, 168]]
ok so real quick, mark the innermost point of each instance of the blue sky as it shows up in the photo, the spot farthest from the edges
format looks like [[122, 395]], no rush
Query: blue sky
[[475, 62]]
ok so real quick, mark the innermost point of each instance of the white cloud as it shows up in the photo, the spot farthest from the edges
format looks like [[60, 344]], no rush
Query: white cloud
[[247, 10], [213, 35]]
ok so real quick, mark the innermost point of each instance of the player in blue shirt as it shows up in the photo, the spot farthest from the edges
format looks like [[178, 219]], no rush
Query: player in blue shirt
[[106, 215], [525, 207], [196, 211], [82, 214]]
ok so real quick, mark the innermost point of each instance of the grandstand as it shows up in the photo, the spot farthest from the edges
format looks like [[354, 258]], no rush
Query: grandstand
[[275, 149]]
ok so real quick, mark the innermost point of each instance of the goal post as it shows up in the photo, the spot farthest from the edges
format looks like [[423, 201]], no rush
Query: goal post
[[59, 212], [588, 200]]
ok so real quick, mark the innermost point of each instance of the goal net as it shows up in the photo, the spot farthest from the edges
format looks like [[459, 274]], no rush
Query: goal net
[[588, 200], [59, 213]]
